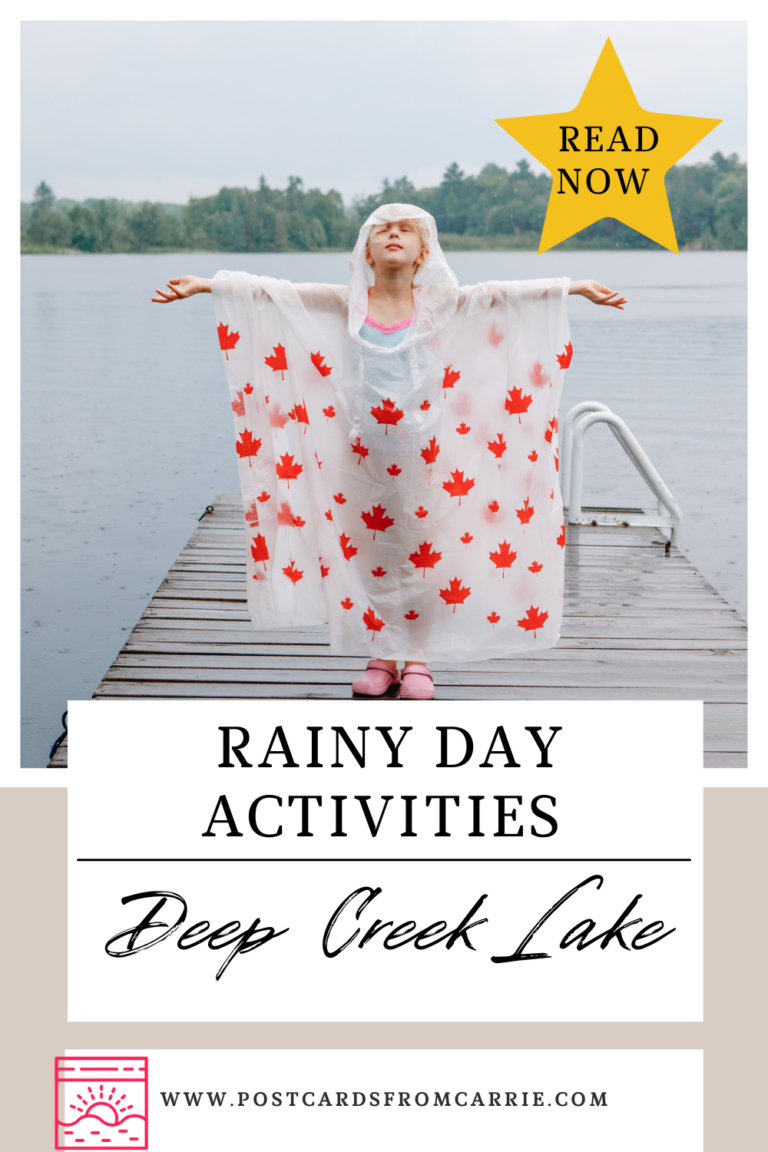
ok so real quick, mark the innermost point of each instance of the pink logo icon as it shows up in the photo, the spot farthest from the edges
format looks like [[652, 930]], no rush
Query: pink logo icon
[[101, 1102]]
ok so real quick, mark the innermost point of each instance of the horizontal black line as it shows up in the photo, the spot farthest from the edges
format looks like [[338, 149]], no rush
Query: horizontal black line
[[382, 860]]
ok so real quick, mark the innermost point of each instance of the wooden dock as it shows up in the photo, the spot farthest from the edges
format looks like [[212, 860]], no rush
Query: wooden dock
[[640, 623]]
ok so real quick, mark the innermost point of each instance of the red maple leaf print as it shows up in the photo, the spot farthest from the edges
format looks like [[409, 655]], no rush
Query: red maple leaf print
[[329, 515], [394, 470], [323, 570], [533, 456], [277, 418], [293, 573], [430, 453], [377, 519], [284, 514], [340, 498], [259, 550], [561, 538], [463, 429], [425, 557], [564, 358], [454, 593], [299, 413], [457, 485], [347, 604], [298, 522], [517, 403], [252, 515], [498, 447], [247, 446], [330, 411], [372, 621], [557, 459], [551, 493], [360, 450], [317, 360], [411, 615], [378, 572], [550, 430], [495, 337], [248, 389], [537, 376], [524, 514], [421, 512], [277, 362], [425, 407], [387, 414], [238, 406], [493, 618], [227, 339], [262, 499], [287, 470], [504, 558], [533, 620], [535, 567], [348, 549], [493, 506], [319, 462], [449, 379], [466, 538]]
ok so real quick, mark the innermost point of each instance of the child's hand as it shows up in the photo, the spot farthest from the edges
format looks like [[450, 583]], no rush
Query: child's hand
[[597, 293], [180, 289]]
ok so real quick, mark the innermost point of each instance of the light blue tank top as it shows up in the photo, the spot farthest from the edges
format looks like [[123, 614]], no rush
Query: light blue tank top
[[384, 339]]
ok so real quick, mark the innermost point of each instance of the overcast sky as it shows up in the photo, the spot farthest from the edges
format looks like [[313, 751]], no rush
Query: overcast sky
[[162, 111]]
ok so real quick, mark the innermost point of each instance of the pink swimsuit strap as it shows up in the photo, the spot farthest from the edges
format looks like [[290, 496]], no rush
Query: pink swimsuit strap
[[381, 327]]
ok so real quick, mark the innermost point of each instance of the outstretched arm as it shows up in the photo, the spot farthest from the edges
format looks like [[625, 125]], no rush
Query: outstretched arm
[[596, 292], [181, 288]]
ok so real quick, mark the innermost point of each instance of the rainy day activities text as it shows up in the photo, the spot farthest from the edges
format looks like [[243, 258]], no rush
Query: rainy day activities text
[[454, 748]]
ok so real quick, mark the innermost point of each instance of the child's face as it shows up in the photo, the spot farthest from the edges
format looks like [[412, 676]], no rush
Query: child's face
[[394, 246]]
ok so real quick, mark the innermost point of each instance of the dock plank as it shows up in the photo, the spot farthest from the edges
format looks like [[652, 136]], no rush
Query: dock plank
[[213, 648], [639, 623], [658, 667]]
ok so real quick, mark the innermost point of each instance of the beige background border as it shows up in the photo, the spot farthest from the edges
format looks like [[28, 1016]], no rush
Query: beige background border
[[33, 968]]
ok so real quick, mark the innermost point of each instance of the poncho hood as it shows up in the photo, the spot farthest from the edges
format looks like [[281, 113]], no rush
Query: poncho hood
[[436, 300]]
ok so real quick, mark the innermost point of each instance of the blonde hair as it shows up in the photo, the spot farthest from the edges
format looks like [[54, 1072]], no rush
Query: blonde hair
[[419, 224]]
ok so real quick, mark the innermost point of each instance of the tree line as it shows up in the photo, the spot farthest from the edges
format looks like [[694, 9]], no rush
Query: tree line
[[496, 209]]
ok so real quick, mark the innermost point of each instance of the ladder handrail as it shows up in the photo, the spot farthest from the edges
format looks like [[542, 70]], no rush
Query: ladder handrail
[[567, 441], [637, 455]]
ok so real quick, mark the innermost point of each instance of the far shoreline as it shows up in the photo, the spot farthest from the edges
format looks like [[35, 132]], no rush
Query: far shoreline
[[446, 245]]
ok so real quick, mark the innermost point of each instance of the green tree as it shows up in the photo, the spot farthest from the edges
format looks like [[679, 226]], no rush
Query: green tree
[[85, 234], [150, 226], [43, 199], [400, 191], [730, 207], [110, 219], [267, 220], [50, 229]]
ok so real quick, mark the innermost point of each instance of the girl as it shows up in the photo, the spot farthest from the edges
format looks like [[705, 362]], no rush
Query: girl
[[397, 445]]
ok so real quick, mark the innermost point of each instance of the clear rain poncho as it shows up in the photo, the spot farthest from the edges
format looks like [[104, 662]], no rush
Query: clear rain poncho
[[408, 496]]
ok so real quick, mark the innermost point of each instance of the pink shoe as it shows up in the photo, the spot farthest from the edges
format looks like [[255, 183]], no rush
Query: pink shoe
[[417, 683], [377, 679]]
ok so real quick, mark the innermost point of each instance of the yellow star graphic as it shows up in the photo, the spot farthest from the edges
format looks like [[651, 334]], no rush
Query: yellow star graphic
[[608, 157]]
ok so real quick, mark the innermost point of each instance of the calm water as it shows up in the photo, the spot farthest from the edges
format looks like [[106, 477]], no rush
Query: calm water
[[127, 428]]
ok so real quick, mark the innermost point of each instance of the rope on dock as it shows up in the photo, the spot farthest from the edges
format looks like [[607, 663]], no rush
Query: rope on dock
[[56, 743]]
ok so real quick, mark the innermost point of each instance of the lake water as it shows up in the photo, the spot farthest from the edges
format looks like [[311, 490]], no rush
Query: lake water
[[127, 429]]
